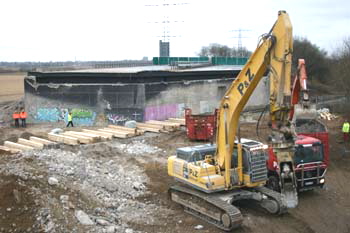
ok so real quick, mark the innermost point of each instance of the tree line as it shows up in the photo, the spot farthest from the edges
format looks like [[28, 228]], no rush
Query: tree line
[[327, 73]]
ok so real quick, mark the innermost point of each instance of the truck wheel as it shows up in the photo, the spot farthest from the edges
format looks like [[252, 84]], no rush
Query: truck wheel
[[273, 183]]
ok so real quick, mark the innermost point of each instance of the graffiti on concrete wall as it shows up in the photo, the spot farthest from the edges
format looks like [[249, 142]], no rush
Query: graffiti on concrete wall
[[117, 119], [161, 112], [50, 115], [80, 116]]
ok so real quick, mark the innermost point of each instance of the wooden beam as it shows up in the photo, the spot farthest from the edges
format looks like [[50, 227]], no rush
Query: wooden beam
[[127, 133], [63, 139], [81, 139], [149, 129], [101, 134], [172, 124], [181, 121], [9, 150], [40, 140], [118, 127], [93, 137], [115, 133], [26, 142], [154, 126], [17, 146]]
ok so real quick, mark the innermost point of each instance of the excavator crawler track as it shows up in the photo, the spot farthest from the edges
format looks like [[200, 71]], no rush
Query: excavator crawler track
[[275, 196], [210, 209]]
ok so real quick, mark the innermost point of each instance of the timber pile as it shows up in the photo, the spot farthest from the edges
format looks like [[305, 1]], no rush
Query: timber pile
[[180, 121], [24, 144], [168, 126], [150, 127], [324, 113]]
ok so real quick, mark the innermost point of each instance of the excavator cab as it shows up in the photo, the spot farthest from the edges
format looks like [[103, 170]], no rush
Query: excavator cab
[[249, 170]]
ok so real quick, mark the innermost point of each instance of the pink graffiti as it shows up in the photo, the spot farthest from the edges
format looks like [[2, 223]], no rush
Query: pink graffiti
[[161, 112]]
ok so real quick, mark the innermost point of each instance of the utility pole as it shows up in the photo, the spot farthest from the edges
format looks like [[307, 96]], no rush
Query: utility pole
[[239, 41], [164, 44]]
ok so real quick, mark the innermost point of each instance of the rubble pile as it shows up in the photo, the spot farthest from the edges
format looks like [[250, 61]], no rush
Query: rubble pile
[[94, 186], [138, 148]]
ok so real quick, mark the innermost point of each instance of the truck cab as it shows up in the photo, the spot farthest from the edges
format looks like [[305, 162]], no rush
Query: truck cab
[[310, 164], [309, 161]]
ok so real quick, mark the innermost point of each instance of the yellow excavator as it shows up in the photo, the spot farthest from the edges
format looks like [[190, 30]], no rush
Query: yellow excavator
[[213, 177]]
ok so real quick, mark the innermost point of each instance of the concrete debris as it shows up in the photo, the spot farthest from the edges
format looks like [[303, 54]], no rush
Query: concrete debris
[[101, 179], [83, 218], [102, 222], [130, 124], [138, 148], [111, 229], [53, 181], [129, 230], [57, 131]]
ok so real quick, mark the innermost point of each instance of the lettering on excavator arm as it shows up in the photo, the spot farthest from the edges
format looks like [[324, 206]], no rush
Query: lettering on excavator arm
[[243, 85]]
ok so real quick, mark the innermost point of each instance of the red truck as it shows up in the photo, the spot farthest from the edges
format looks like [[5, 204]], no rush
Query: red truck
[[311, 157]]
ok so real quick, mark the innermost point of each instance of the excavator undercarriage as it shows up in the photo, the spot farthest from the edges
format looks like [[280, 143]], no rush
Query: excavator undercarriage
[[218, 209]]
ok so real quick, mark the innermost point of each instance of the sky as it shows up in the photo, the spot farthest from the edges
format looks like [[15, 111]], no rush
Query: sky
[[83, 30]]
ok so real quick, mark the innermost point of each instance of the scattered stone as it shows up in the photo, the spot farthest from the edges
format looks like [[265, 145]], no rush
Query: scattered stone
[[129, 230], [138, 186], [53, 181], [57, 131], [83, 218], [110, 229], [64, 198], [130, 124], [102, 222], [198, 227]]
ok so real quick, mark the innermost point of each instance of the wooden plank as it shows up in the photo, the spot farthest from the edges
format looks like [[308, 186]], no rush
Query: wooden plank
[[131, 130], [9, 150], [17, 146], [128, 134], [115, 133], [172, 124], [26, 142], [40, 140], [64, 139], [94, 138], [81, 139], [99, 133], [154, 126], [144, 128], [181, 121]]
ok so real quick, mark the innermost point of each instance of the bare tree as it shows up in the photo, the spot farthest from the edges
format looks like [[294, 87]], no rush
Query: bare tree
[[218, 50], [340, 67]]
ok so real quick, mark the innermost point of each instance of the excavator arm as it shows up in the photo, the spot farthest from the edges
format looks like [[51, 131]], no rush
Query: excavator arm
[[301, 105], [273, 54]]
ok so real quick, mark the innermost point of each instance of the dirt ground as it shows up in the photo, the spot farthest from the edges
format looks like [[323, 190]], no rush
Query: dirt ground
[[29, 204], [12, 86]]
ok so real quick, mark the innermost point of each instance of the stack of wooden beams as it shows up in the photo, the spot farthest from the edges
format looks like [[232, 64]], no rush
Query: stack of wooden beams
[[168, 126], [181, 121], [24, 144], [150, 127]]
